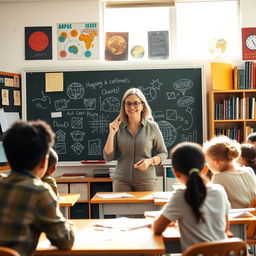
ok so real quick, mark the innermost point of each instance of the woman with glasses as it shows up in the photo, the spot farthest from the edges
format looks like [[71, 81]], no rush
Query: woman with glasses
[[133, 136]]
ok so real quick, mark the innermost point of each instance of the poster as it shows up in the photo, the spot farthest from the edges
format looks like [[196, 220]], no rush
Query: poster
[[38, 43], [158, 44], [116, 46], [78, 41]]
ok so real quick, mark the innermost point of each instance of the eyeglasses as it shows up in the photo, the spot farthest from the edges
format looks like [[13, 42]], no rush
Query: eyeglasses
[[135, 104]]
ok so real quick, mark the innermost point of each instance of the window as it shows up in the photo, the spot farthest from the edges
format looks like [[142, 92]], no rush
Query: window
[[196, 29], [207, 30], [137, 22]]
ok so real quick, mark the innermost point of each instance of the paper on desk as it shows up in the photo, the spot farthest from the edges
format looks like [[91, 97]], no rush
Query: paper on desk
[[124, 224], [161, 195], [241, 212], [119, 195]]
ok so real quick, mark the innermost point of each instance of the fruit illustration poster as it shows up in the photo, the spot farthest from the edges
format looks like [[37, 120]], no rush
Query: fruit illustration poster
[[78, 41]]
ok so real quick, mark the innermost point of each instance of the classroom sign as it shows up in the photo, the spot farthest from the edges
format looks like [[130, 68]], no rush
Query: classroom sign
[[78, 41]]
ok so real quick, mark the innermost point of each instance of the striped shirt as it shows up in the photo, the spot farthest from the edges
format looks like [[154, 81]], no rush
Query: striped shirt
[[28, 207]]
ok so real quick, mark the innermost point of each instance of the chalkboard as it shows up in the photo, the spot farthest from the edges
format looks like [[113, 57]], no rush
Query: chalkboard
[[90, 100]]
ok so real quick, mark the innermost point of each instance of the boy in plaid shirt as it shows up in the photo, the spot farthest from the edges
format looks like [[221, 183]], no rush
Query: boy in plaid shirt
[[27, 206]]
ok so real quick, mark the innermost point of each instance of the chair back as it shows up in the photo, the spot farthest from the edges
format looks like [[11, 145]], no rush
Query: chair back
[[251, 228], [226, 247], [5, 251]]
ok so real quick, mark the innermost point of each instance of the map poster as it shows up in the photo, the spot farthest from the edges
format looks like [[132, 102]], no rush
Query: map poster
[[116, 45], [78, 41], [158, 44]]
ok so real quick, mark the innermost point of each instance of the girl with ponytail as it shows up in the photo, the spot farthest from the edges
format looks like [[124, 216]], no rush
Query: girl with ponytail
[[200, 208]]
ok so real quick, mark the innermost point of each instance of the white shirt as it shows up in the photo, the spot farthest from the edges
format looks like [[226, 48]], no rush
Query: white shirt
[[214, 210]]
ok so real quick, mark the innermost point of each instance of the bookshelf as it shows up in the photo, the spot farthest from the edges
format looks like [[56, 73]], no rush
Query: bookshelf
[[87, 188], [232, 113]]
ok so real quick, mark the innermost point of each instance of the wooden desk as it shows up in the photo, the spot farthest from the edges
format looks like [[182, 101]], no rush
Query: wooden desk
[[66, 201], [238, 225], [138, 204], [92, 241]]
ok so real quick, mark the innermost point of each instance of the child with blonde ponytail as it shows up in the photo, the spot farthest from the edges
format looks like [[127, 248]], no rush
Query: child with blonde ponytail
[[221, 156]]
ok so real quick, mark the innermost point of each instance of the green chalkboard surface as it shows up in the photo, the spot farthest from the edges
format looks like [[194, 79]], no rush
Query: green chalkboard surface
[[81, 113]]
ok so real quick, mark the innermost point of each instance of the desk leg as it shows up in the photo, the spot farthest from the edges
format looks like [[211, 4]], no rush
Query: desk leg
[[239, 230], [101, 212], [64, 211]]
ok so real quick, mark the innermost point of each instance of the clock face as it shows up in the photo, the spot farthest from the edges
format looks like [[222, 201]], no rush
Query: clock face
[[251, 42]]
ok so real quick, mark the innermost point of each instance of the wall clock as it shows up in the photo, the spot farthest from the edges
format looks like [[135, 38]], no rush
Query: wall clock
[[249, 43]]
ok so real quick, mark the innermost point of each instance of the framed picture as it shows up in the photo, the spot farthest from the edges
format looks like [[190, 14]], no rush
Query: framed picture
[[249, 43], [38, 43]]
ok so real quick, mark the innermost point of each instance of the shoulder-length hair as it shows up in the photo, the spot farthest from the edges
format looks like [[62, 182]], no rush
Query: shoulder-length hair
[[146, 113]]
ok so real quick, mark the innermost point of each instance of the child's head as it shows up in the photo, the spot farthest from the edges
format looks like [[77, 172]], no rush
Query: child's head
[[52, 162], [251, 138], [248, 155], [220, 153], [26, 144], [188, 161]]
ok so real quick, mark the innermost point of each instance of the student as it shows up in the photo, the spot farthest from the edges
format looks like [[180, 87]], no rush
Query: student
[[221, 155], [200, 208], [52, 164], [251, 138], [27, 206], [132, 137], [248, 156]]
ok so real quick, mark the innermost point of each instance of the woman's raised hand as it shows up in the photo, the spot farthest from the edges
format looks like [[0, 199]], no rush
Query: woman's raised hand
[[114, 126]]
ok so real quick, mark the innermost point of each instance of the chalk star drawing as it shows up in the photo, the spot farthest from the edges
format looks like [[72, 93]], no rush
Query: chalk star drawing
[[99, 124], [156, 84], [150, 91], [77, 148]]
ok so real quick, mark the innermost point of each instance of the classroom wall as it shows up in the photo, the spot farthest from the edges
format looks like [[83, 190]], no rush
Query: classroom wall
[[15, 16]]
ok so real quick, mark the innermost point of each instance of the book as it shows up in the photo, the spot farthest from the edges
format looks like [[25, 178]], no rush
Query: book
[[222, 76]]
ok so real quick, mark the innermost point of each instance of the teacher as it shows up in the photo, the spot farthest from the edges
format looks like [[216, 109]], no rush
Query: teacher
[[133, 136]]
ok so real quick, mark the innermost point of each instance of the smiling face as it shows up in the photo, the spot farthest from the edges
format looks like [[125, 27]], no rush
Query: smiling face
[[133, 106]]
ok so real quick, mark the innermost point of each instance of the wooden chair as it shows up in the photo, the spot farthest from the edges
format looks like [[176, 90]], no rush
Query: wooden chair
[[5, 251], [226, 247], [251, 230]]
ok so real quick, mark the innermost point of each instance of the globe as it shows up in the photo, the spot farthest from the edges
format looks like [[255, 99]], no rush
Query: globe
[[117, 45], [169, 132], [137, 51], [75, 91], [217, 47]]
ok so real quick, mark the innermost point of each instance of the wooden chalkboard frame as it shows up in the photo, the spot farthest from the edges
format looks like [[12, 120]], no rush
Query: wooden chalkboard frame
[[117, 68]]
